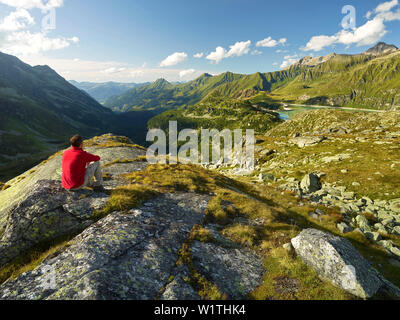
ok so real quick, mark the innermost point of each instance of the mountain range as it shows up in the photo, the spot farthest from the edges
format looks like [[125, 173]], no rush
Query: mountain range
[[40, 109], [368, 80], [102, 91]]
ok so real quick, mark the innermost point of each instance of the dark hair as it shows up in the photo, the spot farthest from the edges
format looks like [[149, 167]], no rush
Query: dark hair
[[76, 141]]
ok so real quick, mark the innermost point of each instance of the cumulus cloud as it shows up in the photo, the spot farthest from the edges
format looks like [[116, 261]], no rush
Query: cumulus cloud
[[217, 55], [185, 73], [17, 20], [270, 43], [31, 4], [25, 43], [367, 34], [238, 49], [383, 7], [289, 60], [199, 55], [173, 59], [16, 37]]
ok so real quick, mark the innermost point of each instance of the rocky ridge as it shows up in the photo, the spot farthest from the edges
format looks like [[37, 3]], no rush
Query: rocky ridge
[[125, 255]]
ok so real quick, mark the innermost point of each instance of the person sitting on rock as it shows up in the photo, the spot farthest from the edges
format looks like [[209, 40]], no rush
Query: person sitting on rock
[[79, 167]]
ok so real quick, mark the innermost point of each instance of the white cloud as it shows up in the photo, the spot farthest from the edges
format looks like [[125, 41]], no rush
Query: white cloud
[[31, 4], [386, 6], [199, 55], [174, 59], [367, 34], [26, 43], [137, 73], [74, 39], [17, 39], [289, 60], [113, 70], [17, 20], [238, 49], [256, 52], [317, 43], [270, 43], [185, 73], [94, 71], [217, 55]]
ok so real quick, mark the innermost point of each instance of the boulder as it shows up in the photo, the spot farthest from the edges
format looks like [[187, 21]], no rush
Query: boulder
[[363, 223], [344, 227], [121, 257], [310, 183], [235, 271], [48, 212], [179, 289], [307, 141], [336, 260], [337, 158]]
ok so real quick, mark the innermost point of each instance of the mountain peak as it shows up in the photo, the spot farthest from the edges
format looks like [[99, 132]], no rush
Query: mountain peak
[[381, 48], [160, 83]]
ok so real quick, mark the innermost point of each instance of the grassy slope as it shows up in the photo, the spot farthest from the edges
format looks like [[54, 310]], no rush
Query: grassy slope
[[357, 81], [164, 95], [220, 113]]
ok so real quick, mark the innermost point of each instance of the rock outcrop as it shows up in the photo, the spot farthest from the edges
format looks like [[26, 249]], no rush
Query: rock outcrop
[[126, 255], [310, 183], [302, 142], [335, 259], [49, 212], [132, 256]]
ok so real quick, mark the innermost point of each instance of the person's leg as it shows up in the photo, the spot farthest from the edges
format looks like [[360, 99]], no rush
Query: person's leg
[[93, 170]]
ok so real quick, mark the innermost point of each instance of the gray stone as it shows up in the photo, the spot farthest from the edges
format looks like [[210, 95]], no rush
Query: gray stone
[[306, 141], [383, 215], [344, 227], [336, 260], [339, 157], [310, 183], [235, 272], [47, 213], [123, 256], [288, 247], [396, 231], [387, 244], [178, 289], [363, 223], [395, 205], [373, 236]]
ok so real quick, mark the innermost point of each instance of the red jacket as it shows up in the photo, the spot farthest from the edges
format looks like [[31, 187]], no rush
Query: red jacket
[[74, 167]]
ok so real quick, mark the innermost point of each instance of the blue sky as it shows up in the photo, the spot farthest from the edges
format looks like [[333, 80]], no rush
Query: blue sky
[[137, 41]]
